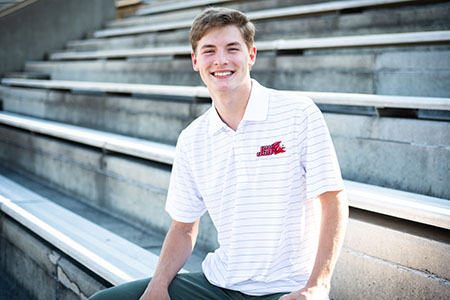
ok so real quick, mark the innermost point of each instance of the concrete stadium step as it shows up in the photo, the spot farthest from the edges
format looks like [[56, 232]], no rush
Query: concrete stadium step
[[136, 235], [291, 11], [114, 165], [153, 116], [191, 93], [185, 14], [129, 187], [164, 7], [379, 40], [6, 6], [9, 4], [177, 5], [354, 135], [96, 248], [389, 251], [160, 39], [277, 11], [378, 254], [10, 289], [409, 71], [413, 207], [126, 8], [113, 249], [380, 21]]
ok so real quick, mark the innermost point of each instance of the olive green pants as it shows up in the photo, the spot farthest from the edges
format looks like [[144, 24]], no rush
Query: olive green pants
[[186, 286]]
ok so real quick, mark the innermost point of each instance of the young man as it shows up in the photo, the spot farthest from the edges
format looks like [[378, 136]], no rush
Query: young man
[[262, 163]]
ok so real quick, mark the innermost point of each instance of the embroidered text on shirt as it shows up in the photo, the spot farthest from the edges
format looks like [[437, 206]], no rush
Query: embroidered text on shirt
[[275, 148]]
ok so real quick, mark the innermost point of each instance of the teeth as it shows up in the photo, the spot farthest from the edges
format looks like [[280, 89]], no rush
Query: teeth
[[222, 73]]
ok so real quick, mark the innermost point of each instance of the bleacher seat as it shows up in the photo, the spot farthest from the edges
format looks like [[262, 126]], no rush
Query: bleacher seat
[[107, 110], [99, 250]]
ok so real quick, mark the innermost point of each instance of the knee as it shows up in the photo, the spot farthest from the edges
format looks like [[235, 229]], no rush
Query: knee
[[100, 295], [131, 290]]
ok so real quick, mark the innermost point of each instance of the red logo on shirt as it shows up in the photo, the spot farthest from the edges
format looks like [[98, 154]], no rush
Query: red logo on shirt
[[275, 148]]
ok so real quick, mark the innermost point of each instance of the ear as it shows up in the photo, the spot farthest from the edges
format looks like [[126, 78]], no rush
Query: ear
[[252, 56], [194, 61]]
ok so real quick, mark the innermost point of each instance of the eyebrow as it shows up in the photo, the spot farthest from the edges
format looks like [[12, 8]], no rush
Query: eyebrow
[[234, 44], [214, 46]]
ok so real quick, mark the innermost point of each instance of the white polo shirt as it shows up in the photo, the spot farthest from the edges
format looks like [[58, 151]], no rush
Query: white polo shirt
[[260, 185]]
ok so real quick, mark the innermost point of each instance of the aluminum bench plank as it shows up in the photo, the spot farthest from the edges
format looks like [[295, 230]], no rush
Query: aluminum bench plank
[[95, 138], [106, 33], [375, 40], [388, 39], [122, 53], [325, 7], [379, 101], [93, 246], [10, 190], [177, 6], [414, 207], [111, 87], [404, 205]]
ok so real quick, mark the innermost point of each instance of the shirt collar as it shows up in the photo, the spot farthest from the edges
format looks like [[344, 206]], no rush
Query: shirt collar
[[257, 108]]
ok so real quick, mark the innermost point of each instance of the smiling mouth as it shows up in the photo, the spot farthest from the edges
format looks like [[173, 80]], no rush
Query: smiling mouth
[[222, 74]]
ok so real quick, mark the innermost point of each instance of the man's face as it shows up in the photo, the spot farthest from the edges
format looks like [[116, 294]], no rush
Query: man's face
[[223, 60]]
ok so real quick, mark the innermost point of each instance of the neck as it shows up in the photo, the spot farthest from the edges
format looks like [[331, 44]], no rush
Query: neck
[[231, 106]]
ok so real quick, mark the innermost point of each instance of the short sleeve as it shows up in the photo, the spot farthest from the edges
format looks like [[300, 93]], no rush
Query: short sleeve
[[184, 202], [319, 160]]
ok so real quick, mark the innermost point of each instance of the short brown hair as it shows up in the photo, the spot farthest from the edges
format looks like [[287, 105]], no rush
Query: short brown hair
[[219, 17]]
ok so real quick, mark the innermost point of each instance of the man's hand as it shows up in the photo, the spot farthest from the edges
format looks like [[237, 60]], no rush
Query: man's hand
[[155, 295], [176, 249], [155, 292], [313, 293]]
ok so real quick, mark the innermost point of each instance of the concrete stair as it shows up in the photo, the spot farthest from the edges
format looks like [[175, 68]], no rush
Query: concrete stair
[[418, 73], [120, 184], [84, 239], [423, 209], [350, 49], [381, 142], [325, 19], [356, 136]]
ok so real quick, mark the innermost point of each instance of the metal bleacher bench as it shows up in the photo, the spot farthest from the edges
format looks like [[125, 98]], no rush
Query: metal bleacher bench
[[327, 7], [96, 248], [353, 99], [376, 40], [177, 6], [414, 207]]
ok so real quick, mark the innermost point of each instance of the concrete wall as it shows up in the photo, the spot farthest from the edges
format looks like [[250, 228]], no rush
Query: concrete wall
[[5, 4], [413, 17], [415, 71], [393, 152], [46, 25], [390, 152], [148, 118], [132, 189], [44, 272], [383, 257], [388, 258]]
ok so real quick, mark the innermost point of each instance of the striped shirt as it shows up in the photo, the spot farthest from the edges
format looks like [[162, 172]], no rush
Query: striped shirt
[[260, 185]]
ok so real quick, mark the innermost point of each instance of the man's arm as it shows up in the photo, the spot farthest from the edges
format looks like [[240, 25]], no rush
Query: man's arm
[[332, 231], [176, 249]]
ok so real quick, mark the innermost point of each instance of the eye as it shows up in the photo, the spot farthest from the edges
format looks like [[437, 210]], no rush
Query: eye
[[208, 51]]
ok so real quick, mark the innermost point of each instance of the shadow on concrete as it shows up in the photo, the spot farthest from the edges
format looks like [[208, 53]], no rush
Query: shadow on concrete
[[9, 289]]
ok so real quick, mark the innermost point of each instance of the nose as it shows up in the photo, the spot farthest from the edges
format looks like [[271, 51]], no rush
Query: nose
[[221, 59]]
